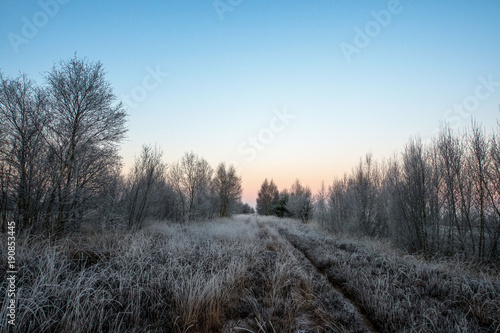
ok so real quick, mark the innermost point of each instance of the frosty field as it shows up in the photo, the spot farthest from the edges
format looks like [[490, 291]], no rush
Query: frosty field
[[244, 274]]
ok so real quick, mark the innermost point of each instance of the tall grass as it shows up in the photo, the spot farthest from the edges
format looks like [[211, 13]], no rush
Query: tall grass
[[403, 293], [225, 275], [240, 275]]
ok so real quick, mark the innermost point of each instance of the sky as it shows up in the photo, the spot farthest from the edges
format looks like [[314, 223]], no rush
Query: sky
[[280, 89]]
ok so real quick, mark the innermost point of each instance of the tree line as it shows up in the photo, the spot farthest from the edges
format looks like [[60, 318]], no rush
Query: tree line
[[60, 167], [437, 198], [295, 203], [189, 189]]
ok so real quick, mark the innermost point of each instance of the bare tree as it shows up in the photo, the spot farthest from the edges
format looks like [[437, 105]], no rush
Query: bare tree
[[88, 124], [191, 179], [435, 207], [479, 164], [494, 192], [337, 203], [5, 188], [228, 188], [321, 205], [365, 186], [415, 186], [451, 160], [108, 201], [23, 115], [300, 201], [147, 175]]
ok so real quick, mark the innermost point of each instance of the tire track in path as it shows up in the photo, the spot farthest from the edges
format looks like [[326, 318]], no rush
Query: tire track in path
[[364, 319]]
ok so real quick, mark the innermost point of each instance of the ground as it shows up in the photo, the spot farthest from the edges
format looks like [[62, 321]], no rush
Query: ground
[[244, 274]]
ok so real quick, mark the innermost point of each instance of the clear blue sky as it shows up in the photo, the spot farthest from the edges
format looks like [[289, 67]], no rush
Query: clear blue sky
[[233, 65]]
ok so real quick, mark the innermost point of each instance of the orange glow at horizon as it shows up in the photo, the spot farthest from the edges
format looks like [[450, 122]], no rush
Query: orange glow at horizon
[[311, 170]]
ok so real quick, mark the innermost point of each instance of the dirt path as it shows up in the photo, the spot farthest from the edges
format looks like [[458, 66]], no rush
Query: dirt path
[[369, 325], [363, 318]]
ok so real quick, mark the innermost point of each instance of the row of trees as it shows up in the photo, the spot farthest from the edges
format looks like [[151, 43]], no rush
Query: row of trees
[[59, 162], [295, 203], [187, 190], [443, 197], [58, 145]]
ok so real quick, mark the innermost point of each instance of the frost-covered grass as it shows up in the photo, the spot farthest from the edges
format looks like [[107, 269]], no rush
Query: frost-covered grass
[[243, 274], [402, 293], [224, 275]]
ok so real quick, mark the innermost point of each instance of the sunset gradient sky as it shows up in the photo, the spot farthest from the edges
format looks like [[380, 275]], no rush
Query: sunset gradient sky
[[283, 89]]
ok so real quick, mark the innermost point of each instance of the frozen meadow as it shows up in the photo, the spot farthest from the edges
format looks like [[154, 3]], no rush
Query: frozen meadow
[[243, 274]]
